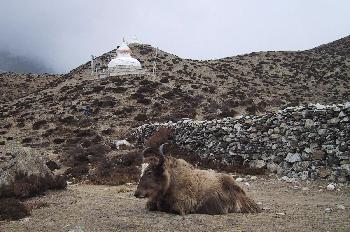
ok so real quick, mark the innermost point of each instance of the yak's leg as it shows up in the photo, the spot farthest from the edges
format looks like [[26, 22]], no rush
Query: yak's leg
[[152, 206], [215, 203], [178, 210]]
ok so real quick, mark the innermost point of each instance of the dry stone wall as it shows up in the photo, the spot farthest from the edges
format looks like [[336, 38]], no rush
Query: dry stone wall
[[304, 142]]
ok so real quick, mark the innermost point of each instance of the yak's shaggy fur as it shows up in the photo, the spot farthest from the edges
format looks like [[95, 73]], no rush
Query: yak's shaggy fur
[[175, 186]]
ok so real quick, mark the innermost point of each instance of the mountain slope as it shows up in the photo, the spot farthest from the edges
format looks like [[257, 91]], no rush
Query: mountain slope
[[52, 117], [339, 47]]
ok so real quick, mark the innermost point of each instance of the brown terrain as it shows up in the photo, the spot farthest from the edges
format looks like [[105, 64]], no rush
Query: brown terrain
[[287, 207], [46, 113]]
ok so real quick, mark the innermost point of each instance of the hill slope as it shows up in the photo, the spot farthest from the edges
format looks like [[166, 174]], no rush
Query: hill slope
[[52, 117]]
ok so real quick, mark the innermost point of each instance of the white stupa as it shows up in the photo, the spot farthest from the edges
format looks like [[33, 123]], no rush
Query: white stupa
[[123, 63]]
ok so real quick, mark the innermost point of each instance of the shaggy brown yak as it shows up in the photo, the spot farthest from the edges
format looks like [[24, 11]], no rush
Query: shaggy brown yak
[[175, 186]]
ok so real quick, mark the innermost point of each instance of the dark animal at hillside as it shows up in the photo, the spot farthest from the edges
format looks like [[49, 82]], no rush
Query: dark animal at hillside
[[175, 186]]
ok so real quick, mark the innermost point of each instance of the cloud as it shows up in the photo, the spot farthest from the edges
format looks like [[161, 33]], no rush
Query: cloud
[[63, 34]]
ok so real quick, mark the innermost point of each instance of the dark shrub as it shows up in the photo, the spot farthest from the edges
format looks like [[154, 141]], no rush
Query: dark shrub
[[58, 140], [12, 209], [52, 165], [39, 124], [141, 117], [28, 186], [27, 140]]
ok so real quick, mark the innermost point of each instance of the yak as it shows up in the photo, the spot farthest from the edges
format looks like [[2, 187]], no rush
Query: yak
[[175, 186]]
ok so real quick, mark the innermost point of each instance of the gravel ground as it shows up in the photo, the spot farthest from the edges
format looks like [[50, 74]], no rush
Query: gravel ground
[[288, 207]]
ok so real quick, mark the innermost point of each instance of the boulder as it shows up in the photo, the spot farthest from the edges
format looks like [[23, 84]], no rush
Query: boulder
[[318, 155], [293, 157], [257, 164], [26, 175], [324, 172]]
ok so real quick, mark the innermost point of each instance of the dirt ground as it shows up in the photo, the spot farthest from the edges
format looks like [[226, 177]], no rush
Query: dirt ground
[[287, 207]]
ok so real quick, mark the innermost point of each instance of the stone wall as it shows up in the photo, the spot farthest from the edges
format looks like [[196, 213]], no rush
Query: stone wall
[[301, 142]]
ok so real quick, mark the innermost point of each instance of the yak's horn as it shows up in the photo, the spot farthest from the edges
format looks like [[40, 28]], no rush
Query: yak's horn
[[161, 154], [161, 147], [146, 150]]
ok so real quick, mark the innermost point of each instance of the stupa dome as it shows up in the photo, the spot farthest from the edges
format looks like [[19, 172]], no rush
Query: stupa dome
[[124, 58]]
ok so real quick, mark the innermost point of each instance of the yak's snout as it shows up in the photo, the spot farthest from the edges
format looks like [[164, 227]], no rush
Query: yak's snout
[[138, 194]]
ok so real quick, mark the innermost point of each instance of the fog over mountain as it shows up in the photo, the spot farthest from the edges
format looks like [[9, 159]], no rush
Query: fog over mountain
[[63, 34], [22, 64]]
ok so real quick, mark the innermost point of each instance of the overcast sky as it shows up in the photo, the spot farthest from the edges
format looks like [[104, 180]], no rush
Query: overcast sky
[[65, 33]]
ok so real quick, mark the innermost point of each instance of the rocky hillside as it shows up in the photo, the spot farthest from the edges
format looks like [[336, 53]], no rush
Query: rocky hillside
[[48, 114], [16, 85], [339, 47]]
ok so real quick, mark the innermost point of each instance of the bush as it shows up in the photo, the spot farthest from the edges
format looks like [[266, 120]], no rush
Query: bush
[[12, 209], [141, 117], [39, 124]]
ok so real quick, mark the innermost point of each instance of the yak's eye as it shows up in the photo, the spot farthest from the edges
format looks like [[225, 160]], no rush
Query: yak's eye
[[148, 172]]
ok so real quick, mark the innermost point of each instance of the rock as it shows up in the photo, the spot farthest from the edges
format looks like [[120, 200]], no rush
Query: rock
[[287, 179], [281, 214], [346, 168], [304, 175], [272, 167], [328, 210], [305, 189], [342, 114], [333, 121], [342, 207], [280, 170], [324, 172], [301, 166], [293, 157], [239, 179], [318, 155], [309, 123], [26, 175], [330, 187], [320, 106], [52, 165], [275, 136], [276, 130], [342, 179], [253, 177], [257, 164], [343, 147], [345, 119]]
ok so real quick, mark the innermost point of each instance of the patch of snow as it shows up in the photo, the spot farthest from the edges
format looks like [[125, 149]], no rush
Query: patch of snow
[[118, 143]]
